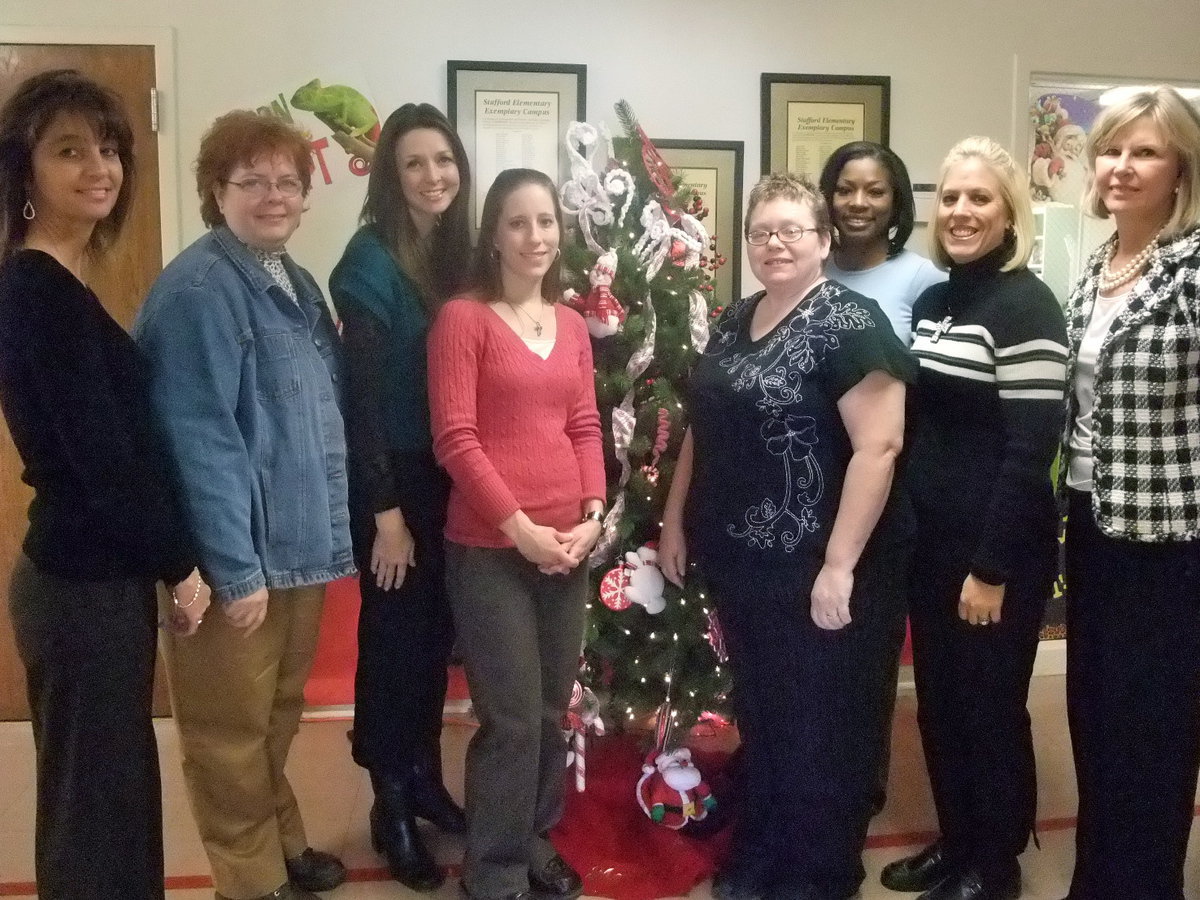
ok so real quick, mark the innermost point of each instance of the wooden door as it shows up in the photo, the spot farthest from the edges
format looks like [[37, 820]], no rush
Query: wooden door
[[121, 283]]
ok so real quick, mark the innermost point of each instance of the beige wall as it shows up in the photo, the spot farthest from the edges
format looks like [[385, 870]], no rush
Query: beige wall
[[690, 69]]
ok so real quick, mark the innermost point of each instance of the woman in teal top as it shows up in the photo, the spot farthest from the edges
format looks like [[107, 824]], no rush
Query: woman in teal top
[[405, 259]]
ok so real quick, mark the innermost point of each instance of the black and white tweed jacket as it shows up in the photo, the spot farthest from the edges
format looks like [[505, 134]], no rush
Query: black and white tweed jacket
[[1146, 419]]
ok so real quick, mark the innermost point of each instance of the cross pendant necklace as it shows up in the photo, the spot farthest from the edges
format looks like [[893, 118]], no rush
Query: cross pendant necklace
[[537, 323], [939, 329]]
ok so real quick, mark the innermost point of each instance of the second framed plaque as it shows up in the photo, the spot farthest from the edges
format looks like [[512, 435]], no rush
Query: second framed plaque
[[806, 117], [714, 169]]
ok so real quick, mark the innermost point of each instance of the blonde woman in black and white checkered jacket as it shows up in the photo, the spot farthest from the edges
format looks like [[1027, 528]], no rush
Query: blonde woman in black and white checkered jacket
[[1131, 471]]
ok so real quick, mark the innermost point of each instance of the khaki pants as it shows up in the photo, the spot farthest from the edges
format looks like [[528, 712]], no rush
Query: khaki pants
[[237, 700]]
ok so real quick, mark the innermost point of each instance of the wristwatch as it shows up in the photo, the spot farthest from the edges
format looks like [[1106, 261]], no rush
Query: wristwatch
[[594, 515]]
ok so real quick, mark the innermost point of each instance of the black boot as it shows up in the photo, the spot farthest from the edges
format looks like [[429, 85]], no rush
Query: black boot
[[432, 802], [394, 834]]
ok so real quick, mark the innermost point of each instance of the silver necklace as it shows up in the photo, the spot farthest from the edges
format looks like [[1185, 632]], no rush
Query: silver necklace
[[537, 323]]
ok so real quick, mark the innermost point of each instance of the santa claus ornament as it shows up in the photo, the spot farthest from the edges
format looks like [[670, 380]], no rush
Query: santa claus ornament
[[601, 311], [671, 790]]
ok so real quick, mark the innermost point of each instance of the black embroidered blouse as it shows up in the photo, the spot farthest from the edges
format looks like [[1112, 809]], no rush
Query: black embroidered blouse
[[770, 447]]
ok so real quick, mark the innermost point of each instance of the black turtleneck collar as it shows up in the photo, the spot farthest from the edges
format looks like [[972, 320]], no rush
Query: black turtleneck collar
[[970, 274]]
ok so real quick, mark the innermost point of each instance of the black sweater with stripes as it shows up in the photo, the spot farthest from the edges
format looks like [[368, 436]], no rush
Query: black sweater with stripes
[[987, 414]]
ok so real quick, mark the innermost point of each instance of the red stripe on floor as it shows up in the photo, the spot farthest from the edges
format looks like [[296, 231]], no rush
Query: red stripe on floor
[[874, 842]]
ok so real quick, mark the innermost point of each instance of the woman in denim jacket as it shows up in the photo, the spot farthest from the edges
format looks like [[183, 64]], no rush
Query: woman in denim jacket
[[245, 380]]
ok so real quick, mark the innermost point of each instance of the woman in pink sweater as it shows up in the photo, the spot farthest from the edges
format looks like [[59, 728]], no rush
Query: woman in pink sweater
[[515, 424]]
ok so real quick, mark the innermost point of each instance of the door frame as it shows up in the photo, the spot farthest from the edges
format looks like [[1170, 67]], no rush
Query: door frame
[[163, 41]]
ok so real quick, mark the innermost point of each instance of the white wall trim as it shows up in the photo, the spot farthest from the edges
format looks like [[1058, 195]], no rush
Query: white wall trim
[[163, 42]]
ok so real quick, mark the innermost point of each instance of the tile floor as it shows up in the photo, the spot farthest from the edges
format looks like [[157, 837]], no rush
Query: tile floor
[[335, 796]]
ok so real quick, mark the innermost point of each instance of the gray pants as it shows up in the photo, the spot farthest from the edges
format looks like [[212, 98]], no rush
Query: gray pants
[[520, 634]]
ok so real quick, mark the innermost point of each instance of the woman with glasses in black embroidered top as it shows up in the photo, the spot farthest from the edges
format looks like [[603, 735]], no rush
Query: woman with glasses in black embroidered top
[[784, 496]]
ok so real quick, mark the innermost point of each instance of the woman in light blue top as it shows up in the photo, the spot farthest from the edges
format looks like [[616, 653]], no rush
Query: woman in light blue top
[[871, 201], [870, 197]]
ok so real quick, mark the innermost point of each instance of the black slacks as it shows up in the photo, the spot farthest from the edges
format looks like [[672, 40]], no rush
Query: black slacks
[[972, 689], [810, 706], [88, 649], [405, 635], [1133, 703]]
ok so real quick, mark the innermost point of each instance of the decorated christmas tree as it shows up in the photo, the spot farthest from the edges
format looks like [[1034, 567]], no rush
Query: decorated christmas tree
[[640, 264]]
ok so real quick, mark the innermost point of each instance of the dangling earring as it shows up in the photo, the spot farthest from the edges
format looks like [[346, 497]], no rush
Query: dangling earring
[[892, 232], [27, 211]]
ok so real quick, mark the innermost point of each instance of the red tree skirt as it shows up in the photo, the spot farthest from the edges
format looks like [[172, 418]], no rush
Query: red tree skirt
[[607, 838]]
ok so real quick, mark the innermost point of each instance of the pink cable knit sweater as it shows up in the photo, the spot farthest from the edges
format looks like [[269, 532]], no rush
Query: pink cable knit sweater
[[514, 431]]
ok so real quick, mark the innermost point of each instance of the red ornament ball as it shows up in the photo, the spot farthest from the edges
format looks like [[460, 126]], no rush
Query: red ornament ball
[[612, 589]]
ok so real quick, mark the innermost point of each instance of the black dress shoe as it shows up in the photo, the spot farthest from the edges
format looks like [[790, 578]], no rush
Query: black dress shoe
[[918, 872], [433, 803], [315, 870], [972, 886], [555, 880]]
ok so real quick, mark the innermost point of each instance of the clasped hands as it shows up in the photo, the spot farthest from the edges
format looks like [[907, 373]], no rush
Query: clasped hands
[[554, 552]]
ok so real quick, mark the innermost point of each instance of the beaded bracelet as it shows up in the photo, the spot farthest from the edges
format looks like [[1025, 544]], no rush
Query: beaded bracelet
[[179, 605]]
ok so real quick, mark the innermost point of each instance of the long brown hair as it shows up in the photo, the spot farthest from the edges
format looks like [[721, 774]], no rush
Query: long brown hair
[[437, 264]]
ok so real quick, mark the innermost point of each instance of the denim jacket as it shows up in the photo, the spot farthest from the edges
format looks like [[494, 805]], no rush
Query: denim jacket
[[245, 385]]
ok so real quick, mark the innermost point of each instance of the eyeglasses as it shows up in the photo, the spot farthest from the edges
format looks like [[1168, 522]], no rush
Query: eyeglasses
[[259, 188], [788, 234]]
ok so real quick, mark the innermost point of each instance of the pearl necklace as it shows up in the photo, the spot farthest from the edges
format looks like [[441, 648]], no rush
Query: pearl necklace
[[1110, 280]]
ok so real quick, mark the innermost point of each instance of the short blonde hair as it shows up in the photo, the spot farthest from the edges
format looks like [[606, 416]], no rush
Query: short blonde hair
[[786, 186], [1014, 191], [1179, 124]]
